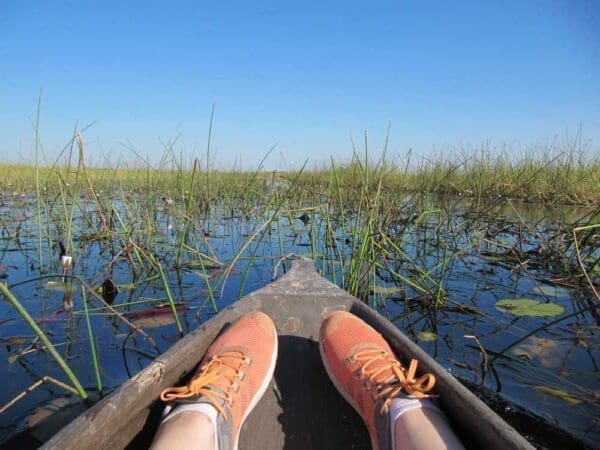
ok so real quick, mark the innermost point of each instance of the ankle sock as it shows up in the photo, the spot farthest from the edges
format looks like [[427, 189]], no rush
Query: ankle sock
[[402, 405], [204, 408]]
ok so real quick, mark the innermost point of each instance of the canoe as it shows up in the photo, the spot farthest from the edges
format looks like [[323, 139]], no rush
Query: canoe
[[301, 409]]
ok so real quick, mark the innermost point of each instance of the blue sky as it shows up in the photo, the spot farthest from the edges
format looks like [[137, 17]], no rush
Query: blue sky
[[302, 75]]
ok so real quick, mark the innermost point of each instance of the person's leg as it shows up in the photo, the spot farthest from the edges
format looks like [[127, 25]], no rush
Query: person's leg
[[423, 428], [234, 374], [186, 431], [364, 369]]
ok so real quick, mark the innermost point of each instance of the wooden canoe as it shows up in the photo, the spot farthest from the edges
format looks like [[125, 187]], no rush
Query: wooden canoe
[[301, 409]]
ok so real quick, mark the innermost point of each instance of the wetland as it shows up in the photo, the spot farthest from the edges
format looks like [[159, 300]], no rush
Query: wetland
[[491, 265]]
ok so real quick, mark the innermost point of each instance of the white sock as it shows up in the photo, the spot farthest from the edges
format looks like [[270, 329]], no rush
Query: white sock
[[402, 405], [205, 408]]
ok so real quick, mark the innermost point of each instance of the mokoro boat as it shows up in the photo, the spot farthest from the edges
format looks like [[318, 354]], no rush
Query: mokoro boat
[[301, 409]]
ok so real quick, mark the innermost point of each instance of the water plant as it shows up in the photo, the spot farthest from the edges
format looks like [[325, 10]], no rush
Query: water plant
[[42, 336]]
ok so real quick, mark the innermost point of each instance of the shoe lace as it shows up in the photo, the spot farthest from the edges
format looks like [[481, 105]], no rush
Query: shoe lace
[[218, 380], [382, 371]]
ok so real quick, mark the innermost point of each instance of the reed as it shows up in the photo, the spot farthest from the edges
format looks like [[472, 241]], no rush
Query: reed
[[568, 174], [37, 181], [92, 340], [42, 336]]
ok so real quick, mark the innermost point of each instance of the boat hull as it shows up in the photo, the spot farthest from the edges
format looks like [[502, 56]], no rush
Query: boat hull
[[301, 409]]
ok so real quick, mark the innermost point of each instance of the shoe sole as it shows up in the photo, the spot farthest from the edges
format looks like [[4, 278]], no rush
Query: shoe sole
[[262, 388], [343, 392]]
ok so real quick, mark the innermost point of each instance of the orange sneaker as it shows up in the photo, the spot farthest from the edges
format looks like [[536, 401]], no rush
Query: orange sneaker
[[364, 369], [233, 376]]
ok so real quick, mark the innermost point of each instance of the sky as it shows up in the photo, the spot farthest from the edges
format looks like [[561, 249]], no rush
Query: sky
[[306, 78]]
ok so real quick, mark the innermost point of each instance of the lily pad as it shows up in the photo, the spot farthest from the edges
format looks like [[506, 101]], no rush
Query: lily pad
[[154, 321], [202, 263], [58, 286], [529, 307], [549, 291], [559, 393], [427, 336], [385, 290]]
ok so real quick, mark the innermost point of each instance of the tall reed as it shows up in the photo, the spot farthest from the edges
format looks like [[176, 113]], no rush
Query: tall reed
[[42, 336]]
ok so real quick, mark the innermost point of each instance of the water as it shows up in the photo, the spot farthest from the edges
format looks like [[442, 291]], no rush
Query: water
[[480, 259]]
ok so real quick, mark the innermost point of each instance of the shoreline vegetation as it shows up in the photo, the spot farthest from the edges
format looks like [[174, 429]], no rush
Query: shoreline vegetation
[[363, 202], [557, 177]]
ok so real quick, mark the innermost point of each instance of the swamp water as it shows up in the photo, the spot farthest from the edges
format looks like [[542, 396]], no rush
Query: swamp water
[[439, 272]]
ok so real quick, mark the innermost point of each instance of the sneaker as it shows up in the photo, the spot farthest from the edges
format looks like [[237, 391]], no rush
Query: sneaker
[[364, 369], [233, 376]]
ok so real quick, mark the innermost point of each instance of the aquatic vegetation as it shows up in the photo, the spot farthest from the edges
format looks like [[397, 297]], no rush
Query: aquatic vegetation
[[559, 393], [444, 249], [42, 336], [529, 307]]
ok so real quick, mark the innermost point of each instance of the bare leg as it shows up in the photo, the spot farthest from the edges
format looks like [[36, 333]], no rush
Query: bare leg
[[424, 429], [186, 431]]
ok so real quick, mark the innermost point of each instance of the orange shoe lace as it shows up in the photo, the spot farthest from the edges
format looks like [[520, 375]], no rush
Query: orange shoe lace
[[381, 370], [218, 380]]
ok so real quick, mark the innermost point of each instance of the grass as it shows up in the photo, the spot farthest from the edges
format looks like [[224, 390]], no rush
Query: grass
[[562, 176], [555, 176], [372, 205]]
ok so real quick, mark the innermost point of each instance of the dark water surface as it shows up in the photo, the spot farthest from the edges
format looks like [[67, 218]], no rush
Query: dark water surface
[[552, 374]]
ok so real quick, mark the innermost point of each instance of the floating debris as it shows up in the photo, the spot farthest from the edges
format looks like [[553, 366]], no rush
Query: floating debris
[[154, 321], [549, 352], [159, 310], [427, 336], [559, 393], [385, 291]]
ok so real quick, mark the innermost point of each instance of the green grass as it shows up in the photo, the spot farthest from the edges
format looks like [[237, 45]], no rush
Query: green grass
[[557, 176]]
